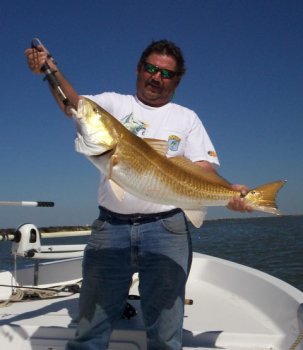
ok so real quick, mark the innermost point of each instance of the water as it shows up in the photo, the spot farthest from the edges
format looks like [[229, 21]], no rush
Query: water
[[272, 244]]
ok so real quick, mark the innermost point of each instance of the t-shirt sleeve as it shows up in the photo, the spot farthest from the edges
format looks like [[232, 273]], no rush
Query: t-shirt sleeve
[[198, 144]]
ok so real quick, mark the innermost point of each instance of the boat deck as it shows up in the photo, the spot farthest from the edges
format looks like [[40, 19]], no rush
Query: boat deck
[[44, 326], [228, 312], [41, 324]]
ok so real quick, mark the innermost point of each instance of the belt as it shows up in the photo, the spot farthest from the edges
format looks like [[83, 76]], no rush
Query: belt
[[133, 218]]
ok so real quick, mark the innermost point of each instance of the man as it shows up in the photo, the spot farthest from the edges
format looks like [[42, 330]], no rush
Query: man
[[133, 235]]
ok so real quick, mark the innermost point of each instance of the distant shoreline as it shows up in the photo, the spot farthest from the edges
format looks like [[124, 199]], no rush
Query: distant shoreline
[[87, 228]]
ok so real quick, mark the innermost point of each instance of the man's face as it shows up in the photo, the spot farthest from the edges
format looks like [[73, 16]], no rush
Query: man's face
[[154, 89]]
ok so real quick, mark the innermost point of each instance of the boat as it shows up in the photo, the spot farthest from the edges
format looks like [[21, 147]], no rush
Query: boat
[[228, 305]]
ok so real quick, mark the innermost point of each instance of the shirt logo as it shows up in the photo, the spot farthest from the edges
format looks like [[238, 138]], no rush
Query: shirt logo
[[173, 142], [212, 153], [134, 126]]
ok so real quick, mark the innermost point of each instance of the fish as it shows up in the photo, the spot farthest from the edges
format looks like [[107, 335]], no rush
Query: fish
[[140, 167]]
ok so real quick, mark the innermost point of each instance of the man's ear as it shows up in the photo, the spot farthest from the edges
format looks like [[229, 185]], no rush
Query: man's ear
[[138, 68]]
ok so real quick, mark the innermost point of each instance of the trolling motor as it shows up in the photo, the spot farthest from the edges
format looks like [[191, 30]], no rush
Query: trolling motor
[[27, 243], [50, 75]]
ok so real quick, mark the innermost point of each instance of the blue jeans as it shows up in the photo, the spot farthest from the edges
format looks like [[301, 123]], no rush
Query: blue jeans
[[160, 251]]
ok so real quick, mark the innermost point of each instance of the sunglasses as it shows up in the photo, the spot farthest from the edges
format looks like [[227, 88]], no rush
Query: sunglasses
[[165, 73]]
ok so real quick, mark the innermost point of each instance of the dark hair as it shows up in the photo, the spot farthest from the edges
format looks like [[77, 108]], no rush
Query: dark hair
[[168, 48]]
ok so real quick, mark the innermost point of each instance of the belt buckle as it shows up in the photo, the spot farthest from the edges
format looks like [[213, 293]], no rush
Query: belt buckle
[[136, 218]]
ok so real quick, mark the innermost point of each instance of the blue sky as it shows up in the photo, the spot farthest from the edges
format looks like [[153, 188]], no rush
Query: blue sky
[[244, 80]]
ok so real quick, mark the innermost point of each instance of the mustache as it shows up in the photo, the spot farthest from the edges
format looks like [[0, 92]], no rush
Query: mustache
[[154, 82]]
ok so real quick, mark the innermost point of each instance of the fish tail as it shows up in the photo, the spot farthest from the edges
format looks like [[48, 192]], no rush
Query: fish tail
[[263, 198]]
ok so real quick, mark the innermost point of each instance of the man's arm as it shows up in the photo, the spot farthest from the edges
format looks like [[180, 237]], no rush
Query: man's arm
[[36, 58], [237, 203]]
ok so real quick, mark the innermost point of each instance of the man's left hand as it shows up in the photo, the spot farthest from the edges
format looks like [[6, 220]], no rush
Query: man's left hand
[[238, 203]]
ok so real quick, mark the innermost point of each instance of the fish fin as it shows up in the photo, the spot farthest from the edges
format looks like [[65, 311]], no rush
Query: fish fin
[[202, 173], [118, 191], [161, 146], [263, 198], [196, 217]]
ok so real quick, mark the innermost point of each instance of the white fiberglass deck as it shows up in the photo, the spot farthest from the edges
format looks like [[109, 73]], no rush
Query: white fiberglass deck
[[234, 308]]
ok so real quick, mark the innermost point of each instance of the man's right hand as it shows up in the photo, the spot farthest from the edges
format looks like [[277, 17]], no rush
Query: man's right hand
[[36, 58]]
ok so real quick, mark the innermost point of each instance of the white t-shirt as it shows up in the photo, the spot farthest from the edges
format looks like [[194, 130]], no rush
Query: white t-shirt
[[178, 125]]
